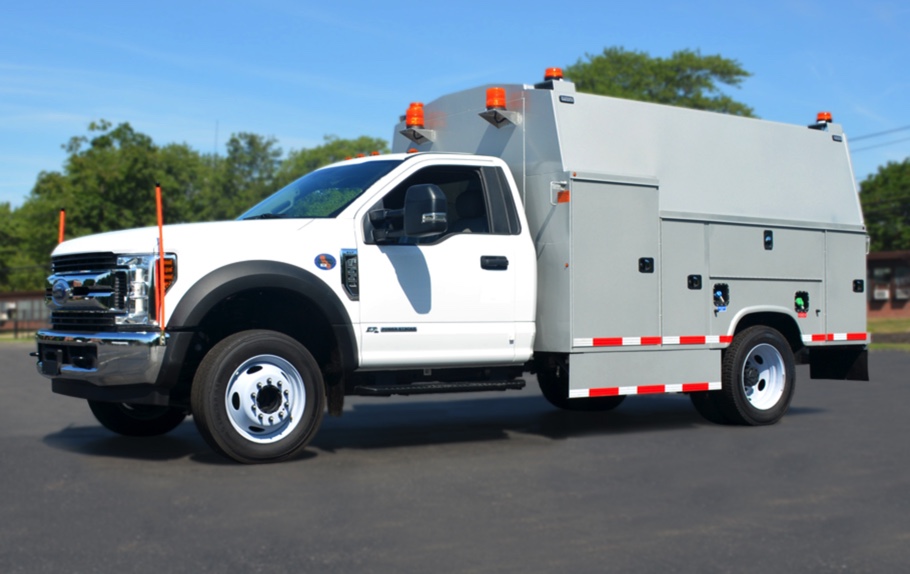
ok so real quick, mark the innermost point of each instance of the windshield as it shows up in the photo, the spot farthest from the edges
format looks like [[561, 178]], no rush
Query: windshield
[[321, 193]]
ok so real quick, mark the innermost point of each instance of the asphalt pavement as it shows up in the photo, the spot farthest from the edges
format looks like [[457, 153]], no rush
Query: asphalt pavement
[[498, 482]]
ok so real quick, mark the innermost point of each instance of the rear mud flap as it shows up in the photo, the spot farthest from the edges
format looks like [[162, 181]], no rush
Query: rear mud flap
[[847, 363]]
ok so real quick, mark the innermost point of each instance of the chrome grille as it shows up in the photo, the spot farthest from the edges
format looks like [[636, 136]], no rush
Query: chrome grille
[[97, 291], [83, 262]]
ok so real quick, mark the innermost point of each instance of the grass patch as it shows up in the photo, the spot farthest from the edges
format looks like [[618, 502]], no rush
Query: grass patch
[[889, 325], [24, 337], [905, 347]]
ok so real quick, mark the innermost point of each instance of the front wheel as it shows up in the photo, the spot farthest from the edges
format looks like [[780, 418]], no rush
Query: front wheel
[[758, 376], [258, 396], [137, 420]]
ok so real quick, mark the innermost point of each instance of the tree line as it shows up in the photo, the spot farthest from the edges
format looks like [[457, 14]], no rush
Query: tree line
[[107, 183], [107, 180]]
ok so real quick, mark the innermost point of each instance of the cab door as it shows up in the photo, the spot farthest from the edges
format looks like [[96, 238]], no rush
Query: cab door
[[449, 299]]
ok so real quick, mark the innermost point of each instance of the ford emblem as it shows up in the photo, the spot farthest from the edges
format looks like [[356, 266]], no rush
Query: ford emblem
[[60, 292]]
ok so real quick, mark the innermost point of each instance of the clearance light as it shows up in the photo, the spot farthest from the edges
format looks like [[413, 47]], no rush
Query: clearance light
[[414, 117], [563, 196], [822, 119], [496, 113], [412, 150], [413, 122], [374, 153], [552, 74], [496, 98]]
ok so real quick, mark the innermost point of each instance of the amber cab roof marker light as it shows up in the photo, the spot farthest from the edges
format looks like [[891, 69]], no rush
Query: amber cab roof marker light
[[824, 117], [553, 74], [496, 98], [414, 125], [496, 113], [414, 116]]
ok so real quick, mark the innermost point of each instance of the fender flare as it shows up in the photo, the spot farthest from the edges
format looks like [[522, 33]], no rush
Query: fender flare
[[248, 275]]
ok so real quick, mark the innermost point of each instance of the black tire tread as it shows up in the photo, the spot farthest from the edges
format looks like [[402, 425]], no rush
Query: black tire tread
[[207, 401], [731, 401], [137, 420]]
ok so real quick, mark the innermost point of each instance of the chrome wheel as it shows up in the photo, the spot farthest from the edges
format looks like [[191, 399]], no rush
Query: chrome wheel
[[265, 398], [764, 376]]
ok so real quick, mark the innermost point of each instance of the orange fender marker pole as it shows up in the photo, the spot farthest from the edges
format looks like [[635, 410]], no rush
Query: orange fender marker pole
[[159, 285], [60, 232]]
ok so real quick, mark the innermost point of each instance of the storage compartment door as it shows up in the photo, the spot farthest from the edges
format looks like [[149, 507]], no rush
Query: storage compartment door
[[615, 266]]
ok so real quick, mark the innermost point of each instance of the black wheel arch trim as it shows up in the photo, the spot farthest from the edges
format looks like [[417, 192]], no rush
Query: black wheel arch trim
[[247, 275]]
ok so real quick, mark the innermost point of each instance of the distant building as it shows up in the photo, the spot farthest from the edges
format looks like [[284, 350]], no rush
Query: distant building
[[23, 312], [888, 284]]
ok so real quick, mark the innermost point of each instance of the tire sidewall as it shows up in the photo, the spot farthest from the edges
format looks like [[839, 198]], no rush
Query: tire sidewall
[[738, 405], [210, 389], [553, 380], [137, 420]]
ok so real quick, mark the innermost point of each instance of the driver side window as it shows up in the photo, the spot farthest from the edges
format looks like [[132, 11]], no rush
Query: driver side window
[[466, 202]]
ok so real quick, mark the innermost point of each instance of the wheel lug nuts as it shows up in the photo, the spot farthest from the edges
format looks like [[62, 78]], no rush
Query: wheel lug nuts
[[279, 384], [269, 381], [286, 392], [271, 419], [258, 385]]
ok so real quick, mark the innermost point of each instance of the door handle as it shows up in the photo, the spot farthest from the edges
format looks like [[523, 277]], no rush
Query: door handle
[[494, 262]]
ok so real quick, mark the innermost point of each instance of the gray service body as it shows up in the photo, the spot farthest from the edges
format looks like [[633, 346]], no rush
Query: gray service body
[[666, 203]]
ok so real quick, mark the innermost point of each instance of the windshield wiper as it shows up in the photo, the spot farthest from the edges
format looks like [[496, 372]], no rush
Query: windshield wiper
[[265, 216]]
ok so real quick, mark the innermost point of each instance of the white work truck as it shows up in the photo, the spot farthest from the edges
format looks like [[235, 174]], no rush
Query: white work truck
[[610, 247]]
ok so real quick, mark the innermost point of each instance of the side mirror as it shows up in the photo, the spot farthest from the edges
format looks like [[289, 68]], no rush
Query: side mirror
[[425, 211]]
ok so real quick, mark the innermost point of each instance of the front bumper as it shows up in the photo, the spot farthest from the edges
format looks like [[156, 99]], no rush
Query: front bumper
[[101, 359]]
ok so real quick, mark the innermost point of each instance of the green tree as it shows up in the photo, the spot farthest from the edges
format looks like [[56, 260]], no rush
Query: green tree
[[108, 183], [303, 161], [686, 79], [885, 197], [244, 177]]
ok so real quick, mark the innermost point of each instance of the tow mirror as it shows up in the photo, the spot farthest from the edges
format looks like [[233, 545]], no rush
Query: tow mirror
[[424, 211]]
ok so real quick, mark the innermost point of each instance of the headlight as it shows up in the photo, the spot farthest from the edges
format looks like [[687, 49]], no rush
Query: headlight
[[139, 296]]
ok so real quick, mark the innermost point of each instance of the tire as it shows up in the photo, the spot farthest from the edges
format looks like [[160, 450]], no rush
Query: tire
[[758, 377], [553, 379], [706, 403], [137, 420], [258, 396]]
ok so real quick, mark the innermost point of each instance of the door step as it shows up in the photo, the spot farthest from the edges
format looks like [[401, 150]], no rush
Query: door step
[[436, 387]]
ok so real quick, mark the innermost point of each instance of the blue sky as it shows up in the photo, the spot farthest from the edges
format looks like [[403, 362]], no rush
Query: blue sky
[[197, 71]]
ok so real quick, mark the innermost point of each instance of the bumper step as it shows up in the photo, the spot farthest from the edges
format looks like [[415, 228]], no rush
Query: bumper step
[[435, 387]]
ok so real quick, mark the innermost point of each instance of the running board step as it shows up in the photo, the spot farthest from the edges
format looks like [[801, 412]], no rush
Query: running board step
[[436, 387]]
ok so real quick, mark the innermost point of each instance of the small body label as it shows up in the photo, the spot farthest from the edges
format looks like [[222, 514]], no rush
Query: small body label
[[325, 261]]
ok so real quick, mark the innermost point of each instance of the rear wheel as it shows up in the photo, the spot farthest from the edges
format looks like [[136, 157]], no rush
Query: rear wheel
[[553, 379], [258, 396], [706, 403], [758, 375], [137, 420]]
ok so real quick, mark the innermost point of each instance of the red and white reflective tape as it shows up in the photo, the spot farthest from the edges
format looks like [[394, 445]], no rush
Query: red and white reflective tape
[[823, 337], [643, 390], [653, 341]]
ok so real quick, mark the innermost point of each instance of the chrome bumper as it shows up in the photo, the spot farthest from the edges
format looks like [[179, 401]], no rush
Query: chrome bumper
[[101, 359]]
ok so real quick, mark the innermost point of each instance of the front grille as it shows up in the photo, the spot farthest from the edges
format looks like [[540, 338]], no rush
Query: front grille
[[83, 262], [82, 321], [94, 279]]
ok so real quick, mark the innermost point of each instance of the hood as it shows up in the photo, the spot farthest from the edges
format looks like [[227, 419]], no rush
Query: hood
[[145, 240]]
